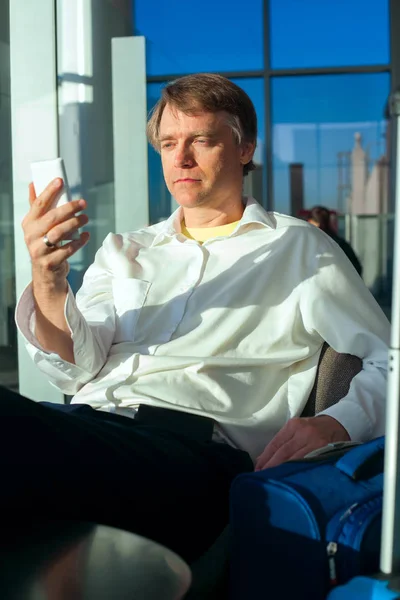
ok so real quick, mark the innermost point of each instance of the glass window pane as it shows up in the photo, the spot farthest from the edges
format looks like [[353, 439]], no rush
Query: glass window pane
[[330, 148], [317, 33], [8, 334], [214, 38], [85, 113], [160, 201]]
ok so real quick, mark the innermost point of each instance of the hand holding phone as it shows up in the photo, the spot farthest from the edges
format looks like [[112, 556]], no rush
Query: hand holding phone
[[46, 228], [43, 172]]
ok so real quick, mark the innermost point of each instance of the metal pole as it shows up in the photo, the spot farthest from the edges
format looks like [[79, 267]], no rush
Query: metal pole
[[268, 179], [390, 548]]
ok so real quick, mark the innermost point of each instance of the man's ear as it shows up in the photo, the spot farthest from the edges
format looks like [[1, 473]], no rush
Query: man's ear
[[247, 152]]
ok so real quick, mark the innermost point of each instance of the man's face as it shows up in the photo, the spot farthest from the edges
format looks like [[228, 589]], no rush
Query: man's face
[[202, 163]]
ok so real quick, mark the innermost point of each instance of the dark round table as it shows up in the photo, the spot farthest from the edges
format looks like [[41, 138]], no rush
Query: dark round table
[[84, 561]]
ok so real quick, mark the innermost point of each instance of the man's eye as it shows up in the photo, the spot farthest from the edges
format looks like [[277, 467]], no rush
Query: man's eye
[[201, 141], [166, 145]]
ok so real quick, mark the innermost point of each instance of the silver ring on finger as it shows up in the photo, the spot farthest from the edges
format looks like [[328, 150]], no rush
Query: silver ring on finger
[[47, 242]]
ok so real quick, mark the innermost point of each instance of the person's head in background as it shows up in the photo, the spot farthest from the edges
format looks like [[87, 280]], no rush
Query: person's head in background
[[321, 217], [205, 128]]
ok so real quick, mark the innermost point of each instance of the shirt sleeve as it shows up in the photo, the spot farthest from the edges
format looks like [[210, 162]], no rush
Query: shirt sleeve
[[338, 308], [91, 320]]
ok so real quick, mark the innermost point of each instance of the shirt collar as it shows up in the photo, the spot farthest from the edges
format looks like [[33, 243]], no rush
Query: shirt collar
[[253, 213]]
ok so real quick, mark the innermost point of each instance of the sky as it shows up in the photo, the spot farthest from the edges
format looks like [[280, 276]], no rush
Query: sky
[[314, 117]]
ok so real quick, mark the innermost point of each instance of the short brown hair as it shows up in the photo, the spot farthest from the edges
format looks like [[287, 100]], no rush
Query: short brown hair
[[322, 216], [212, 93]]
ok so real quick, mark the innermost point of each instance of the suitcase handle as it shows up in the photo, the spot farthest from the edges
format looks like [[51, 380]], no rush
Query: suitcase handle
[[364, 461]]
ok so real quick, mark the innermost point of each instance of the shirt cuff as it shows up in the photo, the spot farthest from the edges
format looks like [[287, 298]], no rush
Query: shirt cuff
[[352, 417], [25, 316], [64, 375]]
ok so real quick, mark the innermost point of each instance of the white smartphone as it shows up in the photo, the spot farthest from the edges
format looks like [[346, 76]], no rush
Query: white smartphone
[[43, 173]]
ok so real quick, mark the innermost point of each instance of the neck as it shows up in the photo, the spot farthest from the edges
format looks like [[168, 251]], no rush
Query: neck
[[203, 216]]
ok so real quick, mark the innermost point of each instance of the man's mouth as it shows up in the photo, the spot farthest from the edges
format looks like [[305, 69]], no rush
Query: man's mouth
[[187, 180]]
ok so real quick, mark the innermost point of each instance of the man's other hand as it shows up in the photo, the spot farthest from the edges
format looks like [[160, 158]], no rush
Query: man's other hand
[[300, 436]]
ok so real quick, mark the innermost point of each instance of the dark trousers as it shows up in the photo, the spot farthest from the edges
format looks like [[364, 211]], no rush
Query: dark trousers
[[159, 477]]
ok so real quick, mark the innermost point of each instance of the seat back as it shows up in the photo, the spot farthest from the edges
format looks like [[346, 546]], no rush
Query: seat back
[[332, 382]]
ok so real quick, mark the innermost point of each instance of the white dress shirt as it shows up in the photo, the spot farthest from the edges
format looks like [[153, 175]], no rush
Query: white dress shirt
[[230, 329]]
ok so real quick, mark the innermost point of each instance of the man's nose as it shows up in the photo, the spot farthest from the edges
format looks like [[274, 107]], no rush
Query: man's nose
[[183, 157]]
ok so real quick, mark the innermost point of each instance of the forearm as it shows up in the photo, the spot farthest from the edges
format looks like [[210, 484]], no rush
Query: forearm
[[51, 328], [92, 335]]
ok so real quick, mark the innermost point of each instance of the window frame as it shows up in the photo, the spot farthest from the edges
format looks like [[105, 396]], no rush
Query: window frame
[[267, 73]]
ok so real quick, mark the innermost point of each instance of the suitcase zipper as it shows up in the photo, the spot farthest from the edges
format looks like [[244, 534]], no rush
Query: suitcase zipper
[[332, 547], [331, 551], [365, 513]]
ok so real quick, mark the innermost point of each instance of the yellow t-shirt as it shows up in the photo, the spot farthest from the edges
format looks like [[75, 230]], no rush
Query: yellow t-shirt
[[202, 234]]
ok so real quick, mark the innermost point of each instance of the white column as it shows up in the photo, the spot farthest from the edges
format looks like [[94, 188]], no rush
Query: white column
[[34, 137], [130, 143]]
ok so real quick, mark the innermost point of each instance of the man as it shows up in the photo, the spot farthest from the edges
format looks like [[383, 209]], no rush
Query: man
[[211, 323], [321, 217]]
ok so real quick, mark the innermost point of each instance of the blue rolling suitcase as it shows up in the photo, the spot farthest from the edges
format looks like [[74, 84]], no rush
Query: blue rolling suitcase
[[364, 588], [301, 528]]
